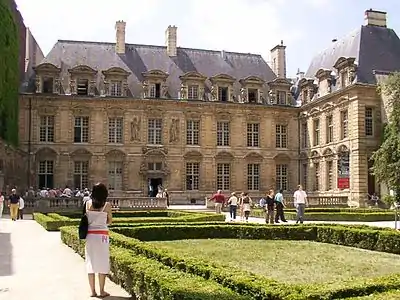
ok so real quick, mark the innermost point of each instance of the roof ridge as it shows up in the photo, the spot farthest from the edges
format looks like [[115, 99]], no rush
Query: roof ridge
[[158, 46]]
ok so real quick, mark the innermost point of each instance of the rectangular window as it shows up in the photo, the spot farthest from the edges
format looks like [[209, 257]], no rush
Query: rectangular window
[[83, 87], [115, 175], [48, 85], [281, 136], [223, 176], [316, 176], [316, 132], [281, 98], [343, 79], [223, 134], [46, 131], [192, 132], [329, 129], [116, 88], [253, 135], [253, 177], [329, 172], [192, 176], [155, 90], [369, 121], [193, 92], [81, 174], [154, 136], [115, 130], [345, 124], [252, 95], [154, 166], [81, 130], [304, 175], [46, 174], [282, 177], [222, 94], [304, 135]]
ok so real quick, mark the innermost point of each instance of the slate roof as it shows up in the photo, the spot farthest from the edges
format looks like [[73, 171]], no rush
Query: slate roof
[[375, 48], [142, 58]]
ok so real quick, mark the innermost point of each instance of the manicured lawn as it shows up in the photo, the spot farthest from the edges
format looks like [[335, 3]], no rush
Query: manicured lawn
[[289, 261], [393, 295]]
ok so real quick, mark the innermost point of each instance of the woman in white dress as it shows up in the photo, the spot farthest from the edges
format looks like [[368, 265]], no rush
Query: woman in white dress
[[97, 250]]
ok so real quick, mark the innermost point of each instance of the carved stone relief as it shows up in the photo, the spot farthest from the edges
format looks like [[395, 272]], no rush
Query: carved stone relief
[[174, 131], [243, 95], [183, 94], [125, 89], [135, 129], [213, 93], [92, 88], [72, 86], [164, 91], [38, 84], [201, 93], [145, 88]]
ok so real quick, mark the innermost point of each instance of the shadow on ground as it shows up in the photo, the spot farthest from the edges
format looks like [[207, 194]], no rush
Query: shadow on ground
[[6, 263]]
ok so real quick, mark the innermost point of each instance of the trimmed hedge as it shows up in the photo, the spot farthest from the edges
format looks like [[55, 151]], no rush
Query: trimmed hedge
[[149, 279], [259, 287], [53, 221], [349, 216]]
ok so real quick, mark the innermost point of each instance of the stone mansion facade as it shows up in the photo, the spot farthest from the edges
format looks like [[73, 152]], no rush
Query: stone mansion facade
[[195, 120]]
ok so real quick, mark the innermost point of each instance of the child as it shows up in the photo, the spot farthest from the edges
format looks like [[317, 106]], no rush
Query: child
[[21, 208]]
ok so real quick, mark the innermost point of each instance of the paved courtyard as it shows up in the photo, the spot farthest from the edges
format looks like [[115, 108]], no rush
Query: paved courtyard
[[34, 264]]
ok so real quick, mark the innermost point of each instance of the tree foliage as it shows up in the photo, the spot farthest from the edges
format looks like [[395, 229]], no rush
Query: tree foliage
[[386, 159], [9, 74]]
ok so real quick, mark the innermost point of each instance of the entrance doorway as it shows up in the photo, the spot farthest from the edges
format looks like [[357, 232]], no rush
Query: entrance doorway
[[154, 183]]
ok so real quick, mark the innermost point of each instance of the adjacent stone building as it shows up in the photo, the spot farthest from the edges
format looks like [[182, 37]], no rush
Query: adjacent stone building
[[194, 121]]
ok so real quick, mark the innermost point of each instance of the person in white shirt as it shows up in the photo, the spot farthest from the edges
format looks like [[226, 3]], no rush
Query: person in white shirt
[[21, 208], [233, 203], [1, 205], [300, 203], [86, 197]]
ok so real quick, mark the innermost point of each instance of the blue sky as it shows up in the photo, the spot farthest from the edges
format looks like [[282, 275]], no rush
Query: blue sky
[[255, 26]]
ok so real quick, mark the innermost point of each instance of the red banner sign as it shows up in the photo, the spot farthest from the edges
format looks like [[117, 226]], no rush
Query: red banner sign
[[343, 183]]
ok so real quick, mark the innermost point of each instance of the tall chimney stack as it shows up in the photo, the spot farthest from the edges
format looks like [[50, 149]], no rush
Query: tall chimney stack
[[278, 60], [171, 40], [375, 18], [120, 37]]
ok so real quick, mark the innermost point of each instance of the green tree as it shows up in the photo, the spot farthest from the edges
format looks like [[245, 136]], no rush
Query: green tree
[[9, 74], [386, 159]]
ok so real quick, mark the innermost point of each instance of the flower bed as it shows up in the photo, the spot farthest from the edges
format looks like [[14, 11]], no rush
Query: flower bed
[[53, 221]]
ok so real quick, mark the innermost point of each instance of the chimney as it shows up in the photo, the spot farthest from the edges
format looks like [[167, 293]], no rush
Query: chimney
[[171, 40], [278, 60], [375, 18], [120, 37]]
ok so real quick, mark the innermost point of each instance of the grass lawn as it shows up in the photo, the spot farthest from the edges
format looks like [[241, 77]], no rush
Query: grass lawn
[[393, 295], [289, 261]]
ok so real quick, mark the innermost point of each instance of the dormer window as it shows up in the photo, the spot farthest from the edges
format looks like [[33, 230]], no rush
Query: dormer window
[[116, 88], [47, 85], [252, 95], [193, 92], [83, 87], [155, 90], [116, 82], [305, 96], [343, 79], [281, 98], [223, 94], [346, 70], [324, 82], [155, 84]]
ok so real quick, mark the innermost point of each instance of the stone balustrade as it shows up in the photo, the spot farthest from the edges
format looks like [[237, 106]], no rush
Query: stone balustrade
[[46, 205]]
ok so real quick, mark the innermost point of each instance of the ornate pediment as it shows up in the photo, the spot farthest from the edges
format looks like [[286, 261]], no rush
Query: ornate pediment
[[281, 157], [305, 82], [155, 74], [252, 80], [154, 113], [115, 154], [193, 154], [328, 106], [192, 114], [342, 149], [328, 152], [80, 110], [47, 68], [224, 155], [155, 151], [280, 82], [46, 152], [253, 117], [82, 69], [193, 75], [116, 71], [314, 111], [223, 115], [47, 110], [253, 156], [115, 111], [315, 154], [225, 78], [323, 74], [81, 152], [344, 62]]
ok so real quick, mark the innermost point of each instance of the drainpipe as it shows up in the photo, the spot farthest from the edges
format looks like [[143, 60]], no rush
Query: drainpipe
[[299, 148], [28, 179]]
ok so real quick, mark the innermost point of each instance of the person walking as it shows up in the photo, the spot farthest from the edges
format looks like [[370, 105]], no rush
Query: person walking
[[300, 203], [233, 203], [97, 249], [246, 206], [21, 208], [13, 204], [270, 208], [219, 199], [1, 205], [280, 204]]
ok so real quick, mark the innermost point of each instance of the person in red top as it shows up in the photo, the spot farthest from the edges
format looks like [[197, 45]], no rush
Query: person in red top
[[219, 199]]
